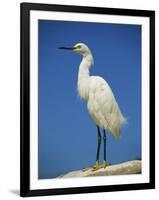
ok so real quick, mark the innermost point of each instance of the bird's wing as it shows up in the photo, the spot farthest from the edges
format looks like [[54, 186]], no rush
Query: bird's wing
[[104, 105]]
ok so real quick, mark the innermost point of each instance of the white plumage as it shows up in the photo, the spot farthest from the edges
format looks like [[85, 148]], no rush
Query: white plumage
[[101, 102]]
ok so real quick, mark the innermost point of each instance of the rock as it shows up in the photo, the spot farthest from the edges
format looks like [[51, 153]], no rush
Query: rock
[[130, 167]]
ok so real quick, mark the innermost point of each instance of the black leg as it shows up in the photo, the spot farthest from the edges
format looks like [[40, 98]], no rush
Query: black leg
[[99, 143], [96, 166], [104, 140]]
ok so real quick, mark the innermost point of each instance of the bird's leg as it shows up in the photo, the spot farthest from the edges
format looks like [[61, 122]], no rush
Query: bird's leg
[[104, 141], [96, 166]]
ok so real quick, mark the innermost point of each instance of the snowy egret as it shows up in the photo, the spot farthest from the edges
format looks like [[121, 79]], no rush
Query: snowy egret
[[101, 103]]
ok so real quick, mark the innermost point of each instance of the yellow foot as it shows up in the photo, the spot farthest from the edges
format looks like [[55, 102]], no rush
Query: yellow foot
[[93, 168], [104, 165], [97, 166]]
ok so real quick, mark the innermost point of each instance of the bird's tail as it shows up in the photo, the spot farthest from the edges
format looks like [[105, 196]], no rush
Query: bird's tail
[[123, 120], [117, 134], [117, 131]]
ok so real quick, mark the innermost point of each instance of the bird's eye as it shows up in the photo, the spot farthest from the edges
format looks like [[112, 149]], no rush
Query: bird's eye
[[79, 46]]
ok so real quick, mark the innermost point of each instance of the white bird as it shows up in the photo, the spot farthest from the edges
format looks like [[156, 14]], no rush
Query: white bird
[[101, 103]]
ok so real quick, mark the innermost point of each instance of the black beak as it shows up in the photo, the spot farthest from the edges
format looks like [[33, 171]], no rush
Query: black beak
[[67, 48]]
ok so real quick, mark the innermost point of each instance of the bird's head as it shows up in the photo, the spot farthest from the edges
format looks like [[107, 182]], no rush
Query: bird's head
[[80, 48]]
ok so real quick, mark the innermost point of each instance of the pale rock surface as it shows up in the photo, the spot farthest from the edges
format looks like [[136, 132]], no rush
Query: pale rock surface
[[130, 167]]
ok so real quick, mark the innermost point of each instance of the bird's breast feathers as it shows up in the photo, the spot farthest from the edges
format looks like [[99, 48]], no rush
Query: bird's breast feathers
[[83, 89]]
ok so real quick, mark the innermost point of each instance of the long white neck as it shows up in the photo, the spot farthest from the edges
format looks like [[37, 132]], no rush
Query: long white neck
[[84, 75]]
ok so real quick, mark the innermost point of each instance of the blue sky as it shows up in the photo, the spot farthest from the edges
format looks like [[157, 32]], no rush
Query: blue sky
[[67, 135]]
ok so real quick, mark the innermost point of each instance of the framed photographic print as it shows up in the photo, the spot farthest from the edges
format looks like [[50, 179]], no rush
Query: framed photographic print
[[87, 99]]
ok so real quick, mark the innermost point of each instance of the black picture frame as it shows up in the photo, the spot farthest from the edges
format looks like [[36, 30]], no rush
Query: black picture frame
[[25, 9]]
